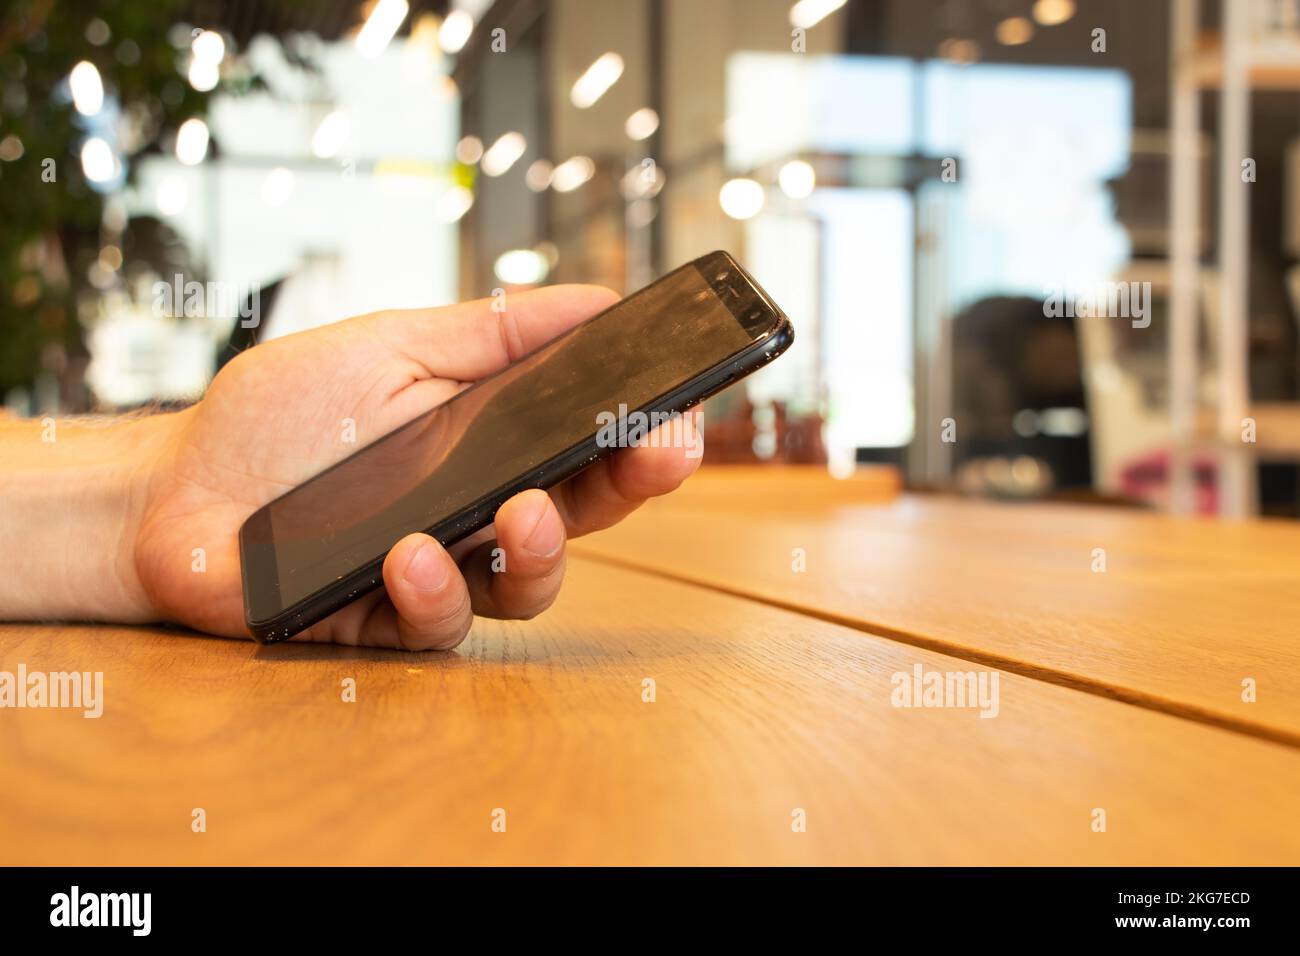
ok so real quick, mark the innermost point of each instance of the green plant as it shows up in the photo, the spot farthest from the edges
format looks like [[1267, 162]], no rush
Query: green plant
[[51, 218]]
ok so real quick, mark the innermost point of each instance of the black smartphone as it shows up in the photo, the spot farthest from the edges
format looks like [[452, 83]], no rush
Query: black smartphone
[[543, 419]]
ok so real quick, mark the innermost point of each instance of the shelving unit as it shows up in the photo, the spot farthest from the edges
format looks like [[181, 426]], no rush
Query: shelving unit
[[1252, 53]]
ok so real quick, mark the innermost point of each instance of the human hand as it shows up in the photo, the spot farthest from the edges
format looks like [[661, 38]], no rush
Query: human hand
[[271, 419]]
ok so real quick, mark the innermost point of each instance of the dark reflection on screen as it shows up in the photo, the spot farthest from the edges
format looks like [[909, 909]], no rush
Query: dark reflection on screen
[[490, 435]]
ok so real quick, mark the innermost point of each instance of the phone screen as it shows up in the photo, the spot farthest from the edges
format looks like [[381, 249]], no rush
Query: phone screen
[[496, 432]]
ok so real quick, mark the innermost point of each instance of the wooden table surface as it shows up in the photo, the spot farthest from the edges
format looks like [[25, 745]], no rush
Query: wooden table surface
[[774, 695]]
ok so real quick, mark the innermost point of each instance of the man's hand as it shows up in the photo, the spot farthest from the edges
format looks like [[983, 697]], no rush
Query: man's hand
[[273, 418]]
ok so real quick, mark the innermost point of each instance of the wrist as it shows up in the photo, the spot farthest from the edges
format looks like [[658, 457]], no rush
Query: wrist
[[73, 494]]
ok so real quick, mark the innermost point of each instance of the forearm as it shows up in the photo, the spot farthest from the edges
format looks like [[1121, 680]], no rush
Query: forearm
[[71, 496]]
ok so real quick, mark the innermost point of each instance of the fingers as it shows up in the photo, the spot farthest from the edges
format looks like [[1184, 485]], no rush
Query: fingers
[[429, 597], [518, 575], [468, 341], [616, 486], [432, 601], [429, 602]]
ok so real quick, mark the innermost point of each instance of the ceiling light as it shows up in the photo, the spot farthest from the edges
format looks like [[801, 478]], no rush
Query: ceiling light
[[641, 124], [539, 175], [87, 88], [959, 50], [598, 78], [97, 160], [1051, 12], [209, 46], [381, 26], [203, 75], [741, 198], [809, 13], [455, 31], [1013, 31], [797, 179], [192, 141], [469, 150], [521, 267], [572, 173], [503, 154]]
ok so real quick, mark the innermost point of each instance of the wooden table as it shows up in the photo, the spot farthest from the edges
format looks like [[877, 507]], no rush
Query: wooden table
[[773, 705]]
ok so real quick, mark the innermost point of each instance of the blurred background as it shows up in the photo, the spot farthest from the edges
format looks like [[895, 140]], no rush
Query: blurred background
[[1032, 248]]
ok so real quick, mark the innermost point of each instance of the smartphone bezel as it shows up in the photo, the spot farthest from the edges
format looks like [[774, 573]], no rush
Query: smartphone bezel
[[770, 334]]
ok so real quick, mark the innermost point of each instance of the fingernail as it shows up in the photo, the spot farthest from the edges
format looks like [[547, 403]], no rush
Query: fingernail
[[427, 570], [547, 535]]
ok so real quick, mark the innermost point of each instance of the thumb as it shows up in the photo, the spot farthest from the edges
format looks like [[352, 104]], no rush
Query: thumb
[[469, 341]]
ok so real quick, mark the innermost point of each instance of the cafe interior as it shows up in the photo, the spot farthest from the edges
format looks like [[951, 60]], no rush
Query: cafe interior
[[1032, 249], [1039, 427]]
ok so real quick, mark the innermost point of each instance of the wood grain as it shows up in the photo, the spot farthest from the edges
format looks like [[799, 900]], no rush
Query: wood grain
[[758, 711], [759, 489], [1184, 612]]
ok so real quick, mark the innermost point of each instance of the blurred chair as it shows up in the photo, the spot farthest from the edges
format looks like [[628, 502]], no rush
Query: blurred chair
[[1018, 400]]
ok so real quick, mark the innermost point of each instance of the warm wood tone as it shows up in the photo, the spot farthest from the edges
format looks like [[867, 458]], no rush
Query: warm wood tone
[[758, 711], [760, 488], [1184, 612]]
